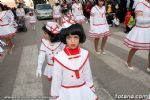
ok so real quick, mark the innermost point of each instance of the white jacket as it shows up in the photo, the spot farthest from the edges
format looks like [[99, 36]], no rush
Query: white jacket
[[71, 71], [77, 9], [98, 16], [48, 50], [20, 12], [57, 11]]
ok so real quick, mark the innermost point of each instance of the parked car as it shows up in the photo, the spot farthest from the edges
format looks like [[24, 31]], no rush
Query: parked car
[[44, 11]]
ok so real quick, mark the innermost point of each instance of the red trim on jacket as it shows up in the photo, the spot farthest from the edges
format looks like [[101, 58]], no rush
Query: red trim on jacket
[[51, 49], [142, 3], [74, 57], [96, 98], [4, 25], [75, 86], [75, 71], [92, 86], [49, 64], [72, 51]]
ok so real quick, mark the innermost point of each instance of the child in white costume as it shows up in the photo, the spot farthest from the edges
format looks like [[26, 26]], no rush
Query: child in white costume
[[67, 17], [99, 27], [57, 11], [50, 46], [72, 77], [20, 11], [139, 37], [32, 20], [77, 12], [7, 30], [6, 27]]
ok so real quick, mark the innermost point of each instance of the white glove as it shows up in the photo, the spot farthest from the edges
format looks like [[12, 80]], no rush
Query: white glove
[[38, 72], [1, 50], [54, 97], [3, 43]]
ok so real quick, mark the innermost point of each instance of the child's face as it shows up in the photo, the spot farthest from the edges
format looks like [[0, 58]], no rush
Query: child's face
[[31, 14], [72, 41], [100, 3], [76, 1], [46, 36]]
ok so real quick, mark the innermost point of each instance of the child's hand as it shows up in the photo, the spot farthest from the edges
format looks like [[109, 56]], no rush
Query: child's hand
[[54, 97], [3, 43]]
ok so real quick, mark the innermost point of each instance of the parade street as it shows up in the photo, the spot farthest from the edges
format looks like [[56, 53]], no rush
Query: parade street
[[112, 79]]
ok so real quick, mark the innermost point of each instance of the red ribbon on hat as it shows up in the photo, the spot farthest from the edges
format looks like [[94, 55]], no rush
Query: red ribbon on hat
[[54, 30], [69, 21]]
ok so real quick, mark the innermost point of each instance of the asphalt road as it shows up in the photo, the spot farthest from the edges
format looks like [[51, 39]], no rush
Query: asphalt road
[[112, 79]]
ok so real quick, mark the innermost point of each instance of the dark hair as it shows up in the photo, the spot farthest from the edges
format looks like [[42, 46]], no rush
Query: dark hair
[[19, 6], [31, 13], [2, 7], [74, 29], [96, 1], [64, 9], [53, 37], [57, 4]]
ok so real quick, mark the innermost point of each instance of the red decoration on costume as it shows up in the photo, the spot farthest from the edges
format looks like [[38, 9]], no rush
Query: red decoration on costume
[[53, 59], [77, 74], [69, 20], [54, 30], [1, 20], [49, 79], [72, 51]]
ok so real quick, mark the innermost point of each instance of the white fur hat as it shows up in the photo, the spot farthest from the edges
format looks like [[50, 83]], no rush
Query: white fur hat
[[53, 27], [66, 22]]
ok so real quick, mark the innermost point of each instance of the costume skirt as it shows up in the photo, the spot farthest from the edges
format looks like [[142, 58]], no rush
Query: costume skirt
[[99, 31], [79, 19], [78, 93], [138, 38], [7, 31]]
